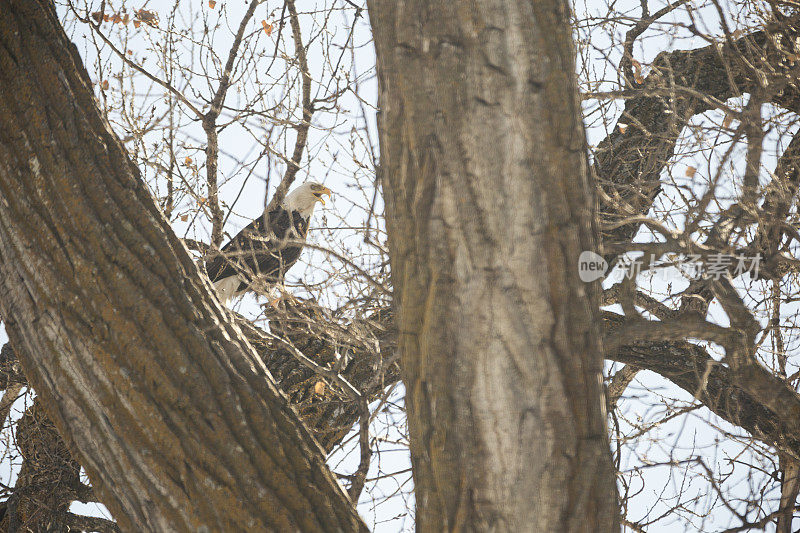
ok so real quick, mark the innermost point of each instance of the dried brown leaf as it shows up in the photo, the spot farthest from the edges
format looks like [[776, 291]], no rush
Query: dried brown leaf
[[146, 16]]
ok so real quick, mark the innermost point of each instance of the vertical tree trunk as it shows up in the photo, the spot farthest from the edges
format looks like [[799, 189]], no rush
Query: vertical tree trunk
[[488, 196], [172, 414]]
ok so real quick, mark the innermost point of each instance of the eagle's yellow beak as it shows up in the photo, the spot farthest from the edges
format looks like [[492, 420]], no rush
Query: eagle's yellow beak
[[319, 193]]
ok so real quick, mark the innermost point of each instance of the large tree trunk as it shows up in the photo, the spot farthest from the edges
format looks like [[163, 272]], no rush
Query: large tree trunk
[[488, 196], [171, 412]]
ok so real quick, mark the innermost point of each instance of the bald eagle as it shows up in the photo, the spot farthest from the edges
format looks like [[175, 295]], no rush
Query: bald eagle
[[266, 253]]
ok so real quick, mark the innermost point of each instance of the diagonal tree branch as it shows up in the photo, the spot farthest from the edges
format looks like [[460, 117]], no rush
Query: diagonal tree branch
[[682, 84], [173, 417], [771, 416]]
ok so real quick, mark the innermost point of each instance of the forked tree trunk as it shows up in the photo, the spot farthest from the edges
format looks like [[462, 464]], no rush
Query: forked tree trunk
[[489, 205], [174, 418]]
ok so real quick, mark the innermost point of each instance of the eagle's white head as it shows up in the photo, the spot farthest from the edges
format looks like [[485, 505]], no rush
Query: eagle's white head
[[304, 198]]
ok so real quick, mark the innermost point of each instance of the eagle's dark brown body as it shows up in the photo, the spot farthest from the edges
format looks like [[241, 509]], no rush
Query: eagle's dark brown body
[[261, 253]]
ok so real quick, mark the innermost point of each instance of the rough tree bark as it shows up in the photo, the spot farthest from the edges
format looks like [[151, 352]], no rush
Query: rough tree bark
[[40, 497], [173, 416], [488, 196]]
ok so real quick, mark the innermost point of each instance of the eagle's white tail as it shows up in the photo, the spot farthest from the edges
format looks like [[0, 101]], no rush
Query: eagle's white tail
[[226, 288]]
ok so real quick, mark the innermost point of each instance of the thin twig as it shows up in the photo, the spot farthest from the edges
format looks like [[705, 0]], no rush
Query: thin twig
[[293, 165], [210, 128]]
